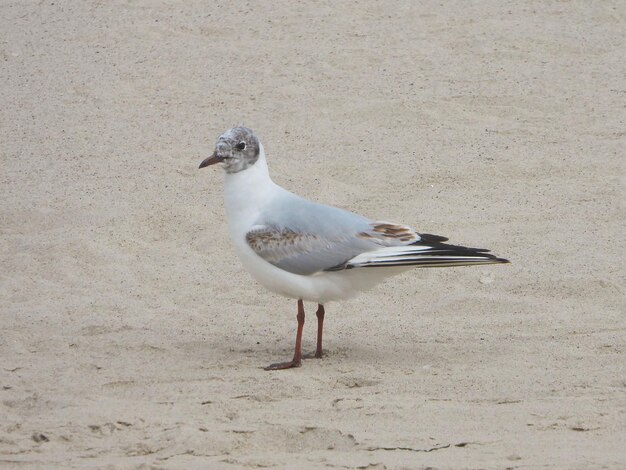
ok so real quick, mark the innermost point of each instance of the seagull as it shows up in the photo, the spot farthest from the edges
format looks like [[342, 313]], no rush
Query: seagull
[[313, 252]]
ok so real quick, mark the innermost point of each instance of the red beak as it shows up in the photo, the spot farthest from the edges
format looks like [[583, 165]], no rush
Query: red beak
[[212, 160]]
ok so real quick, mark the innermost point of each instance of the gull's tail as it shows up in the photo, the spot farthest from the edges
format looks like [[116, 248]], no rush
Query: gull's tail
[[428, 252]]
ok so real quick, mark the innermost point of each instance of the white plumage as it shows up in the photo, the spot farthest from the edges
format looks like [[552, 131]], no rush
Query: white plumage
[[310, 251]]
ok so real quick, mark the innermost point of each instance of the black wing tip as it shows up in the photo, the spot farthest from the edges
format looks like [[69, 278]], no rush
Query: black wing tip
[[480, 259], [493, 259], [437, 242], [430, 238]]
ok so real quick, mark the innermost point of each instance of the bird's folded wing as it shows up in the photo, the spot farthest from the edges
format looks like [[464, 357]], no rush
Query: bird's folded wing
[[302, 252]]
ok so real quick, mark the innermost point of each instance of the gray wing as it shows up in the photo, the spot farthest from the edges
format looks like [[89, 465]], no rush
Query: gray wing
[[302, 237]]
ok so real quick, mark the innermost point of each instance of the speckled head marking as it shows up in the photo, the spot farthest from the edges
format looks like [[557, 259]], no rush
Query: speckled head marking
[[237, 148]]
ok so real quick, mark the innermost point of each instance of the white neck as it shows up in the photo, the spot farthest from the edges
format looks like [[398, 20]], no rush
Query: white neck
[[244, 189]]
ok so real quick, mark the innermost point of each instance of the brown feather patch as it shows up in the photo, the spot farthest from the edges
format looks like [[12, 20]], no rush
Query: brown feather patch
[[401, 232], [260, 239]]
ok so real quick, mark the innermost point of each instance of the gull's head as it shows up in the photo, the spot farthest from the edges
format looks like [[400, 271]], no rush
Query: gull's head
[[237, 149]]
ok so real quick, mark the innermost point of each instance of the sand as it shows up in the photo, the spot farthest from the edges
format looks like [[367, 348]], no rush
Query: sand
[[133, 338]]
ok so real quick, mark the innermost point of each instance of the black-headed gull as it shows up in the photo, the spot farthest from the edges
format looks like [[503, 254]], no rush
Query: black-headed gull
[[309, 251]]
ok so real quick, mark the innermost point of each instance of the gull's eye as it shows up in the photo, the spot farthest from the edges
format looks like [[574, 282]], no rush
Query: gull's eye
[[241, 146]]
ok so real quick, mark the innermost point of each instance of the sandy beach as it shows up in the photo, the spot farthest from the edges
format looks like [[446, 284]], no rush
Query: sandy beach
[[132, 337]]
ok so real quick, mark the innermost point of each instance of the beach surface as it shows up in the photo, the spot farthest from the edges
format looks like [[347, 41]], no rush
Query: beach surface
[[132, 337]]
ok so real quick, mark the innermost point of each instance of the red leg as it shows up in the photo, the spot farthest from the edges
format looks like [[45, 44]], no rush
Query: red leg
[[297, 355], [320, 327]]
